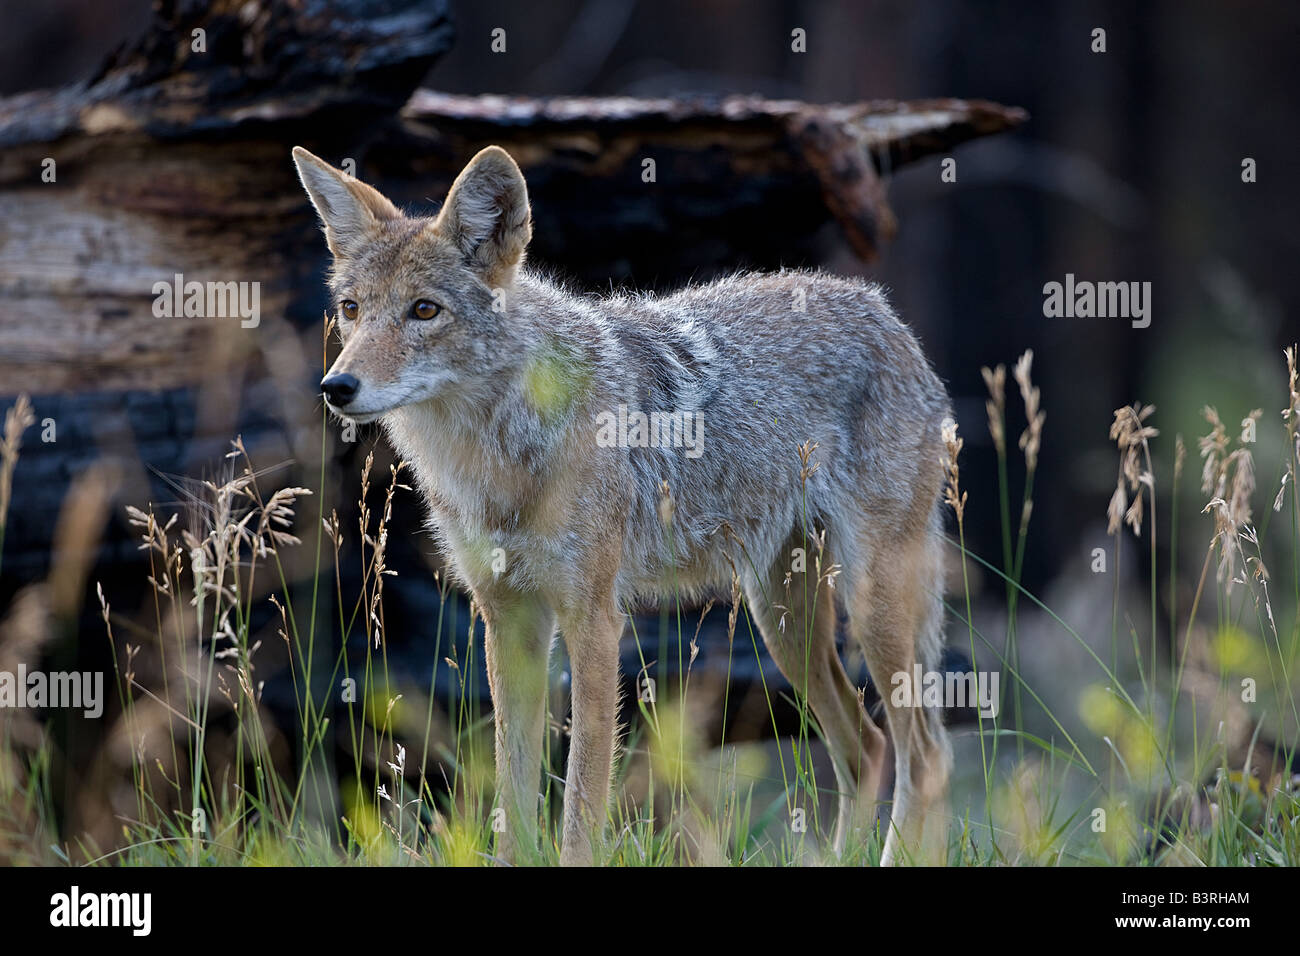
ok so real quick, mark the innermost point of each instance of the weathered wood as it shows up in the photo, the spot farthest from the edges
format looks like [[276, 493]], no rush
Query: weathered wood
[[262, 61], [169, 161], [738, 182], [741, 169]]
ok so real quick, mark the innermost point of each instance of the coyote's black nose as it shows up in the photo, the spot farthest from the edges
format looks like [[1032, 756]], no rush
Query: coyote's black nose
[[340, 389]]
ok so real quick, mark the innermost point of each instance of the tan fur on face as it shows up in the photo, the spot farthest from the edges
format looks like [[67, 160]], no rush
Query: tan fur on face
[[496, 404]]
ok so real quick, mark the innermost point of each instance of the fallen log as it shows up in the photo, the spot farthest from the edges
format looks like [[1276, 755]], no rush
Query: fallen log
[[173, 160], [170, 161]]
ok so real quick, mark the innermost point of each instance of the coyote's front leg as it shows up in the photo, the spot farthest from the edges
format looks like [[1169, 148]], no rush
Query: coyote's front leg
[[518, 643], [591, 635]]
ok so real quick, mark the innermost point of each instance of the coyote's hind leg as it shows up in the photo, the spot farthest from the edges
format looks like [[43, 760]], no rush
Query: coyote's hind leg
[[803, 647], [896, 615]]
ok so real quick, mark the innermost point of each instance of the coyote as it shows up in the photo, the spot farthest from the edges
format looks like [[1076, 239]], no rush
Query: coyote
[[499, 385]]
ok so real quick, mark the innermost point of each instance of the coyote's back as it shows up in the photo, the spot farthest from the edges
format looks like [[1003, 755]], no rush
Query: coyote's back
[[760, 364]]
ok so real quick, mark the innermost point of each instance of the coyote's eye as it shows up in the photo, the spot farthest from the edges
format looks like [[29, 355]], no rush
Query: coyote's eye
[[424, 309], [349, 309]]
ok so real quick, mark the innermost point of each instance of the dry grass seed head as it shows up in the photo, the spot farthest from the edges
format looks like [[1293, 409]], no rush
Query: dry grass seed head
[[1291, 419], [1213, 449], [1132, 435], [995, 380], [1230, 476], [667, 504], [807, 467], [1291, 413], [952, 493], [1032, 437], [18, 419]]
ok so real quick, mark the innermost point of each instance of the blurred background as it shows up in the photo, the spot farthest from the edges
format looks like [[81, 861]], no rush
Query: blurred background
[[1128, 168]]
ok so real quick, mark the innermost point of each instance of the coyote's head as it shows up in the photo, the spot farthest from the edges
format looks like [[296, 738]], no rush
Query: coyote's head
[[420, 301]]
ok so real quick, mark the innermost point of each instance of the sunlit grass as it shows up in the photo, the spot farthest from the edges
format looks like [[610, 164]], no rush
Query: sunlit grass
[[1174, 745]]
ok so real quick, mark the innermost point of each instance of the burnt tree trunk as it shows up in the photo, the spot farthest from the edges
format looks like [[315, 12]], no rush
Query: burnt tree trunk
[[175, 162]]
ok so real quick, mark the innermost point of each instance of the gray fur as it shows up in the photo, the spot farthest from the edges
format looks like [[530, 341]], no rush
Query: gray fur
[[497, 404]]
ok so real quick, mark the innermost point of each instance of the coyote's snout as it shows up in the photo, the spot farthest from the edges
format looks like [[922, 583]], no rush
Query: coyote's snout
[[544, 426]]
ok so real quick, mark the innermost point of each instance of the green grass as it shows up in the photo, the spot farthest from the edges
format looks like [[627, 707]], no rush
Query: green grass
[[1151, 736]]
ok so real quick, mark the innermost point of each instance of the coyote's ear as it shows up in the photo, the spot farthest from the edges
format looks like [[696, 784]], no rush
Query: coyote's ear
[[487, 216], [350, 209]]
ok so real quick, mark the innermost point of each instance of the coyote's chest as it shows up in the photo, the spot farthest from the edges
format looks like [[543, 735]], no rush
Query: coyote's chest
[[495, 516]]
